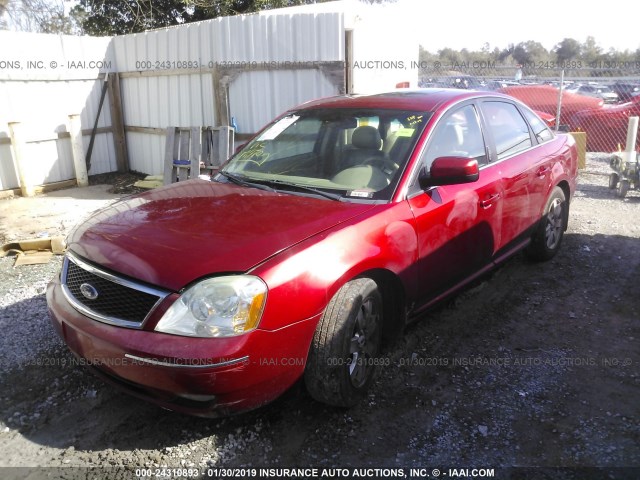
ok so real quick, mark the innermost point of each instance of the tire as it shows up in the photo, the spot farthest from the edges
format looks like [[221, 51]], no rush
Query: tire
[[346, 343], [623, 188], [614, 178], [548, 235]]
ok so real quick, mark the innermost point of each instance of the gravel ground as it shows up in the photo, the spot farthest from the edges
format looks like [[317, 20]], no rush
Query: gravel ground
[[537, 366]]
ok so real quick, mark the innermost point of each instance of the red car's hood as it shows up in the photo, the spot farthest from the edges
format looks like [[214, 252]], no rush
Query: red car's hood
[[174, 235]]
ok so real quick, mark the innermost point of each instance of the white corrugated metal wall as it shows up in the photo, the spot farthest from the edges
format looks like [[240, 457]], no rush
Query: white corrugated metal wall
[[159, 87], [256, 97], [160, 96], [41, 94], [156, 99]]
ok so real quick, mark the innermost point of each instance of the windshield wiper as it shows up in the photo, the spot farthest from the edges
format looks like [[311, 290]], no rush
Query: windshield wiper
[[265, 185], [304, 188], [245, 183]]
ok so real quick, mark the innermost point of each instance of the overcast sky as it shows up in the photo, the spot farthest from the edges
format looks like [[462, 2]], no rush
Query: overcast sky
[[470, 23]]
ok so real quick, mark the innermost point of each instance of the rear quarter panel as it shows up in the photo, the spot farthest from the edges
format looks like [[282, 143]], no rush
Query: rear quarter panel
[[563, 154]]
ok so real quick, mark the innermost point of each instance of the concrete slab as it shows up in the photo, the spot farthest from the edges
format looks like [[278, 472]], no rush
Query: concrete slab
[[51, 214]]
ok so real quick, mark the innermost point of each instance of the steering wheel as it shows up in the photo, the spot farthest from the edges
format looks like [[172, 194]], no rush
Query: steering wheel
[[385, 164]]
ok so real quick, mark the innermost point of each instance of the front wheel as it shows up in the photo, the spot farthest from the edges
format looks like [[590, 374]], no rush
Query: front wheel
[[345, 346], [614, 178], [623, 188], [547, 237]]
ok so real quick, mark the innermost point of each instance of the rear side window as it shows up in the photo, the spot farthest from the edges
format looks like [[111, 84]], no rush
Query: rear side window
[[510, 131], [540, 130]]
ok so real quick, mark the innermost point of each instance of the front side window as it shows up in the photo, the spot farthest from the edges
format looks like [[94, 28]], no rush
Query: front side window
[[458, 134], [350, 153], [509, 130]]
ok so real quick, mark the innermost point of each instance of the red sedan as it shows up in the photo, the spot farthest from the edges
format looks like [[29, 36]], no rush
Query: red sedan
[[606, 127], [544, 98], [314, 246]]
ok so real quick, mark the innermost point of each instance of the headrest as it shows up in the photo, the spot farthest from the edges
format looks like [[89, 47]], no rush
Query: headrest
[[366, 137]]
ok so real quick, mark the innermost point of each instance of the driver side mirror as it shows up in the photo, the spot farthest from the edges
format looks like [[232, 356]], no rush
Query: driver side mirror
[[450, 171]]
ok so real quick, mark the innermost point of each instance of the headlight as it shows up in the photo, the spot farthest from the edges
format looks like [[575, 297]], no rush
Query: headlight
[[217, 307]]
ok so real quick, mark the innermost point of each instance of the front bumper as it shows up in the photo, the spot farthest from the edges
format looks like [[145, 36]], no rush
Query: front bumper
[[198, 376]]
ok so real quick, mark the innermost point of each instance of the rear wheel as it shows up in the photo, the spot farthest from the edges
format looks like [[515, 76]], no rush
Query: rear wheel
[[342, 358], [547, 238]]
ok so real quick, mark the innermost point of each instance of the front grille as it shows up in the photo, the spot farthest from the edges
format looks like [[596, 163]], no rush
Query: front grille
[[119, 301]]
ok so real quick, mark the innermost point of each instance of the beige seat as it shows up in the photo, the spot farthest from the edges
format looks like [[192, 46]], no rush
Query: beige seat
[[364, 149], [362, 177]]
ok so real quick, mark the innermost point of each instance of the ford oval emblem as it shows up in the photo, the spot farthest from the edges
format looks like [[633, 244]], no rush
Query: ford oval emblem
[[89, 291]]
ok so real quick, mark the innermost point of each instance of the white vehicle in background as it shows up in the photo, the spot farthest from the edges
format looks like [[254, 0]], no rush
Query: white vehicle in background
[[598, 91]]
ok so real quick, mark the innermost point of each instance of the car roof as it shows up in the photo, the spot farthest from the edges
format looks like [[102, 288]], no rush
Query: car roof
[[425, 99]]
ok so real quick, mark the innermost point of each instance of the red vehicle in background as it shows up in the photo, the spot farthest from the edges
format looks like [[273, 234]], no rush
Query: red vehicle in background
[[606, 127], [340, 222], [544, 98]]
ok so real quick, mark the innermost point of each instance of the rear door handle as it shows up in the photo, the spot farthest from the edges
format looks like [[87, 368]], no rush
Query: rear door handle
[[487, 202]]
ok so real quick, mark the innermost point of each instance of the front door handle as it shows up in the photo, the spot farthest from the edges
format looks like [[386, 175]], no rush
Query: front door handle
[[487, 202]]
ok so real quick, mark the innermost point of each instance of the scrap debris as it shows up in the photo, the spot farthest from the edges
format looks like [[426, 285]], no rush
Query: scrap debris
[[34, 251], [151, 181]]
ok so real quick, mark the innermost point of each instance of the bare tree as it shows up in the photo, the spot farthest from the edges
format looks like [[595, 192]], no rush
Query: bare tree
[[43, 16], [3, 11]]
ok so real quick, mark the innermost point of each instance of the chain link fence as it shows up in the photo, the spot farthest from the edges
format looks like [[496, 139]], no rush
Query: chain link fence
[[596, 98]]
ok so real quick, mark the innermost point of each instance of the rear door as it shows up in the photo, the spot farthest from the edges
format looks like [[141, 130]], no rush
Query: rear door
[[523, 171]]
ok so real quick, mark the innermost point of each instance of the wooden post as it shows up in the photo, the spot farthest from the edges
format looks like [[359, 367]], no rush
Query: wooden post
[[17, 143], [77, 150], [184, 152], [170, 155], [221, 95], [225, 144], [195, 151], [348, 61], [117, 122]]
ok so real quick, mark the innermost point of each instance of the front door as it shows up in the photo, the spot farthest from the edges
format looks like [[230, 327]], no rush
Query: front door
[[458, 226]]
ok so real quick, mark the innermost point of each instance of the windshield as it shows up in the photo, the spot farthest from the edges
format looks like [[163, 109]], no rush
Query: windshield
[[348, 153]]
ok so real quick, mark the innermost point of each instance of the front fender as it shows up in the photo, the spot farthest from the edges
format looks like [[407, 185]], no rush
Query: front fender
[[302, 279]]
